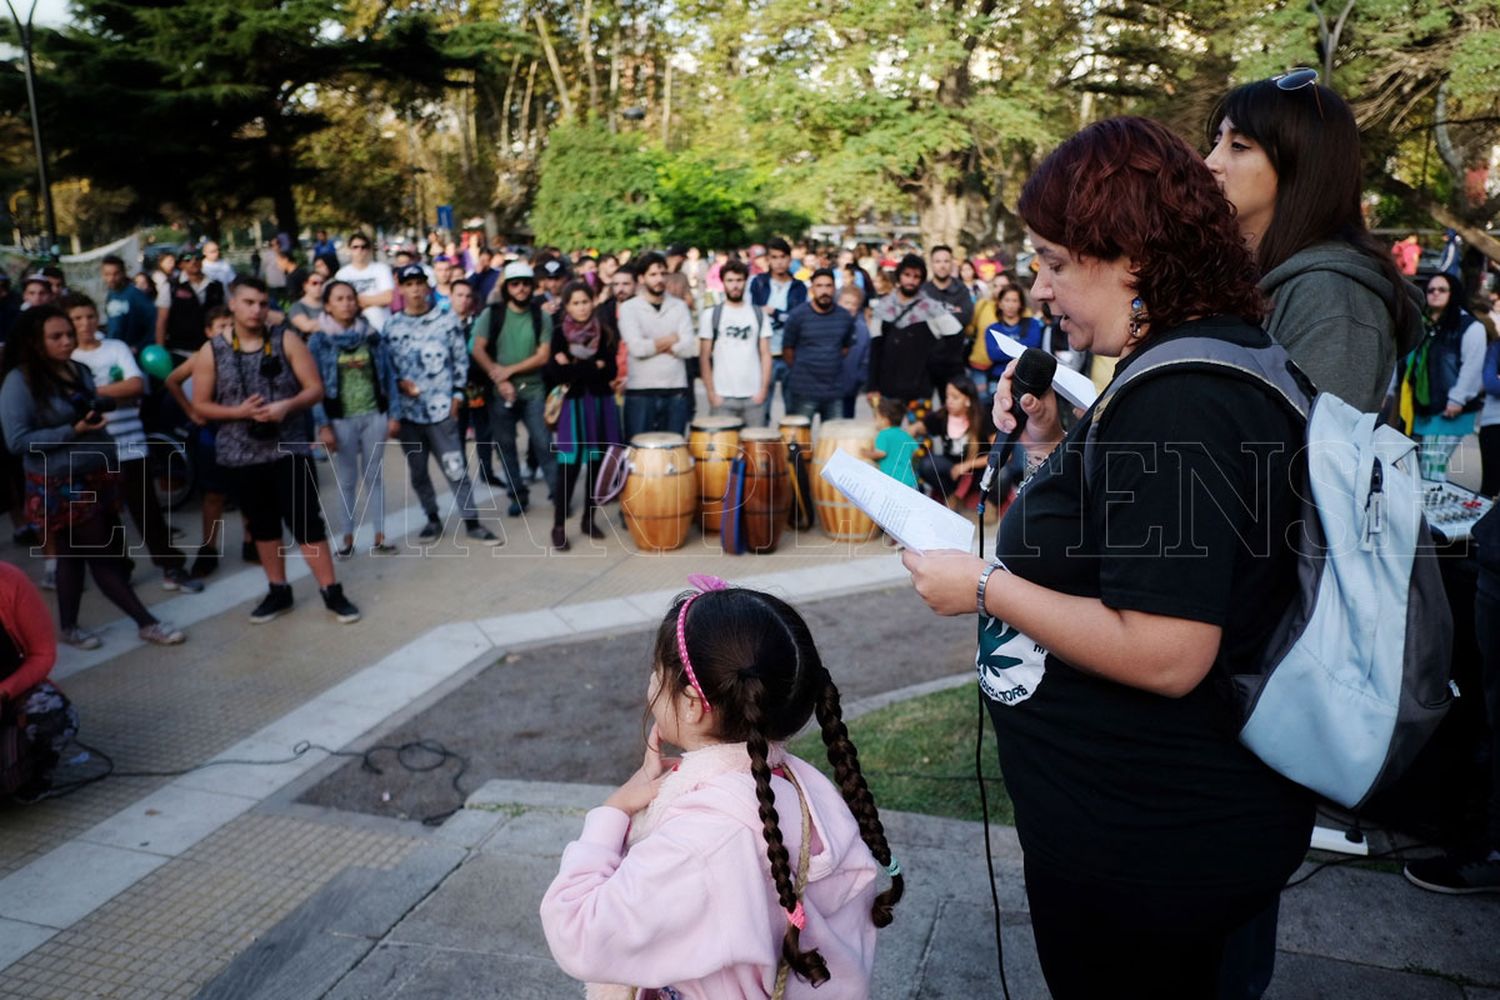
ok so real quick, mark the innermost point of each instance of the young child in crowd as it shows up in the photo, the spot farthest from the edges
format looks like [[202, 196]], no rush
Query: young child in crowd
[[736, 870], [895, 446]]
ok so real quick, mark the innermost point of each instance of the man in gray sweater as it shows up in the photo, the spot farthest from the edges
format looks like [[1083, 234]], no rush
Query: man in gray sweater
[[657, 330]]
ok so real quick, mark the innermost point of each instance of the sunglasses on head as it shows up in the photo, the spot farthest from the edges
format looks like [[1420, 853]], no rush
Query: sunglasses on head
[[1298, 78]]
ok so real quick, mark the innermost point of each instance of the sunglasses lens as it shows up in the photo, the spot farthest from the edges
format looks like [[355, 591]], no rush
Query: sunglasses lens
[[1297, 79]]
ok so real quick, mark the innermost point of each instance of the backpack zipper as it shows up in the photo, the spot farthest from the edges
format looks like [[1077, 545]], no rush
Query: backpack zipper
[[1374, 506]]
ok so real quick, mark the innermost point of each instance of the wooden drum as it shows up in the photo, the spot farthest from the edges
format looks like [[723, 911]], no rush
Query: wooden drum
[[840, 518], [661, 493], [768, 491], [714, 442], [797, 428]]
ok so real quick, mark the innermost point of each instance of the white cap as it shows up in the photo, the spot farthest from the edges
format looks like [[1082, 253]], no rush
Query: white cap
[[516, 270]]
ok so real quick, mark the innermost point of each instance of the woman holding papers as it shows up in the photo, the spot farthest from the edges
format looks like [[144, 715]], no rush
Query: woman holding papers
[[1122, 599]]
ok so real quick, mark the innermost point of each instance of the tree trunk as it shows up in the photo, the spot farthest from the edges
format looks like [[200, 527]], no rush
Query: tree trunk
[[510, 93], [525, 132], [586, 37], [614, 77], [284, 203], [557, 76], [941, 211]]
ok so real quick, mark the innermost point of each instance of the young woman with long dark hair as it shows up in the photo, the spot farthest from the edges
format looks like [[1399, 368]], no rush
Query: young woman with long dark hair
[[584, 346], [53, 418], [1286, 154]]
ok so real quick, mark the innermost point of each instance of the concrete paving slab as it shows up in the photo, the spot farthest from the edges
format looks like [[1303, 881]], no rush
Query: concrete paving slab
[[488, 905], [522, 628], [63, 887], [540, 833], [537, 794], [655, 603], [960, 961], [1310, 977], [18, 938], [602, 616], [169, 820], [400, 972], [1378, 919]]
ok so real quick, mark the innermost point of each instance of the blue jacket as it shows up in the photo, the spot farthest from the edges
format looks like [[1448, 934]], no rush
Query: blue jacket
[[326, 355], [130, 317], [760, 294]]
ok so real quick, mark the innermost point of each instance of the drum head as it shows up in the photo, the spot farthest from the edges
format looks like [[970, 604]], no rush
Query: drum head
[[847, 428], [760, 434], [658, 439], [720, 423], [796, 420]]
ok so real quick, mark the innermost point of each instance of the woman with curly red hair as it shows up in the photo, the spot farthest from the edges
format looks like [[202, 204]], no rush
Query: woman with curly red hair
[[1124, 600]]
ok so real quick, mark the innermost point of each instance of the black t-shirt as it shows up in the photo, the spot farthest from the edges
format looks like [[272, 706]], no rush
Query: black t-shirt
[[1186, 515]]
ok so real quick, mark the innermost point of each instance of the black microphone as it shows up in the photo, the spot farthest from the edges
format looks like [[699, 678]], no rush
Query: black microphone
[[1033, 374]]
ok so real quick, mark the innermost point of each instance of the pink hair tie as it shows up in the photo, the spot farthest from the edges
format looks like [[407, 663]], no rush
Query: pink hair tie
[[703, 584], [798, 917]]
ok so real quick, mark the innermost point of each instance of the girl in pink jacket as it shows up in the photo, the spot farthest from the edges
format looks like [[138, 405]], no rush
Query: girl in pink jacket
[[737, 870]]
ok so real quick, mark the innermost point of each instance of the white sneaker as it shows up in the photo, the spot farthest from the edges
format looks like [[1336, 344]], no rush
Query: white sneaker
[[80, 638], [49, 579], [162, 634]]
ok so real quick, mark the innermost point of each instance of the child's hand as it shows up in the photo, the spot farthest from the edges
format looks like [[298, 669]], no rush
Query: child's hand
[[637, 793]]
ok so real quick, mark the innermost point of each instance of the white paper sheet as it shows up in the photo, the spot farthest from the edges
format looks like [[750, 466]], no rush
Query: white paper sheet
[[1076, 387], [916, 521]]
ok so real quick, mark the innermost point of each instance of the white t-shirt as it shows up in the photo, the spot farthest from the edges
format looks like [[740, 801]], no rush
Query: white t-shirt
[[109, 363], [375, 277], [736, 354]]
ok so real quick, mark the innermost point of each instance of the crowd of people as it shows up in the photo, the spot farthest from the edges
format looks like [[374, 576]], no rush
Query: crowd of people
[[1128, 787]]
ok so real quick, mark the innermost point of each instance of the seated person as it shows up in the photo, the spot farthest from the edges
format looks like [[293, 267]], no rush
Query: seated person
[[39, 713]]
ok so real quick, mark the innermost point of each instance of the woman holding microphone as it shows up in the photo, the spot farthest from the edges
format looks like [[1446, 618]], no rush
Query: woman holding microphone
[[1120, 602]]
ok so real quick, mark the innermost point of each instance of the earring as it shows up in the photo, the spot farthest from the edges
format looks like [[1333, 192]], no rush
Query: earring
[[1138, 316]]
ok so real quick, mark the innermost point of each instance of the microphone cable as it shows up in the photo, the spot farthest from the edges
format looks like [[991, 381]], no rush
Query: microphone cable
[[986, 484]]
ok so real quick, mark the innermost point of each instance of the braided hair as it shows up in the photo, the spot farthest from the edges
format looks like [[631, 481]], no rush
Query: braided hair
[[759, 668]]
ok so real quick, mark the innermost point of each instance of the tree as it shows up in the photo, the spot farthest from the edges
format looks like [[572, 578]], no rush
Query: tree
[[595, 189], [209, 106]]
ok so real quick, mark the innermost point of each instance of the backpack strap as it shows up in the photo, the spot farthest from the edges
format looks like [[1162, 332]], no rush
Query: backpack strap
[[718, 315], [1269, 367]]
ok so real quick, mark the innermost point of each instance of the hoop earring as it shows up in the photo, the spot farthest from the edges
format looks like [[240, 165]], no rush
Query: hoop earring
[[1138, 316]]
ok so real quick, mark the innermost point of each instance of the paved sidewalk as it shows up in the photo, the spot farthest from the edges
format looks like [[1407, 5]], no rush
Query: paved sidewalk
[[457, 918]]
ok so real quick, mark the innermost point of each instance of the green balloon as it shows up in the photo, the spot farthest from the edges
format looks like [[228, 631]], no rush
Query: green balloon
[[155, 361]]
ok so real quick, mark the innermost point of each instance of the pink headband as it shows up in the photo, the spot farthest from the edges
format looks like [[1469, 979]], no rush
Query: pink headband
[[703, 584]]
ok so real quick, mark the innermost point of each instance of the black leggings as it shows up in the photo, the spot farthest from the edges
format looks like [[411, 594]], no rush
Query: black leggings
[[1489, 460], [1138, 941], [98, 542], [567, 480]]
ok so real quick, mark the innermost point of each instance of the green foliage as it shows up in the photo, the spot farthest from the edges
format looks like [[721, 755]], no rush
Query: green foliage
[[596, 189], [697, 203], [918, 756]]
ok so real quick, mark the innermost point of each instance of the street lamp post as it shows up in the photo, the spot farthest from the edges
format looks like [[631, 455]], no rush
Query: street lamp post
[[23, 30]]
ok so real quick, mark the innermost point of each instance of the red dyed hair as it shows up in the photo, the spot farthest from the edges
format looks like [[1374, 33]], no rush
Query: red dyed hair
[[1129, 187]]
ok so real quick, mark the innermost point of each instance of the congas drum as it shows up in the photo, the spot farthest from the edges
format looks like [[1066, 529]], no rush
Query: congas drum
[[797, 428], [768, 491], [840, 518], [714, 442], [661, 492]]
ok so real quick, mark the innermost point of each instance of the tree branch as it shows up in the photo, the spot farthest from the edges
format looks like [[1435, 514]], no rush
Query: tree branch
[[1475, 236]]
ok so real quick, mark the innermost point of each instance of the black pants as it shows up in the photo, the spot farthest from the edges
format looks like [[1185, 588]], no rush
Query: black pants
[[99, 543], [936, 471], [567, 479], [1136, 941], [478, 417], [1489, 460], [145, 511], [1487, 632]]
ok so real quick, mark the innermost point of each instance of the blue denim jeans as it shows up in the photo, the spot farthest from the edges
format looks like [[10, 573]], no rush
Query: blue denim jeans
[[503, 423], [828, 409], [668, 411]]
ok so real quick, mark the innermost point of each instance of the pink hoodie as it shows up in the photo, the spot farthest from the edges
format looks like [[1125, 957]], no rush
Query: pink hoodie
[[692, 905]]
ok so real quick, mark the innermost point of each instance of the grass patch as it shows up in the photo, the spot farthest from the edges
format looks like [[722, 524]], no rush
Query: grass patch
[[918, 756]]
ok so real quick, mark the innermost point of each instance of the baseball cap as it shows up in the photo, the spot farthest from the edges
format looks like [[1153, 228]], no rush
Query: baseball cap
[[189, 253], [554, 268], [410, 272], [37, 279], [518, 271], [676, 250]]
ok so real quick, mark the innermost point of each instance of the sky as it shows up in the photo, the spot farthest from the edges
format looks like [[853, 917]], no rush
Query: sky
[[51, 12]]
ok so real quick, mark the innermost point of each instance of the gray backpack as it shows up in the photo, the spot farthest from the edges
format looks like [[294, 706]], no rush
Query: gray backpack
[[1355, 677]]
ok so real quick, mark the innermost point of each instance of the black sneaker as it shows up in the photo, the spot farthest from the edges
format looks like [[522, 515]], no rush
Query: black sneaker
[[1455, 874], [479, 533], [338, 605], [431, 531], [277, 603], [179, 579], [204, 565], [518, 506]]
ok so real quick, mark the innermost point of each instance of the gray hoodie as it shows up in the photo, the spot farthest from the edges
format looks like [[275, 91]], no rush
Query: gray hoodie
[[1333, 309]]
